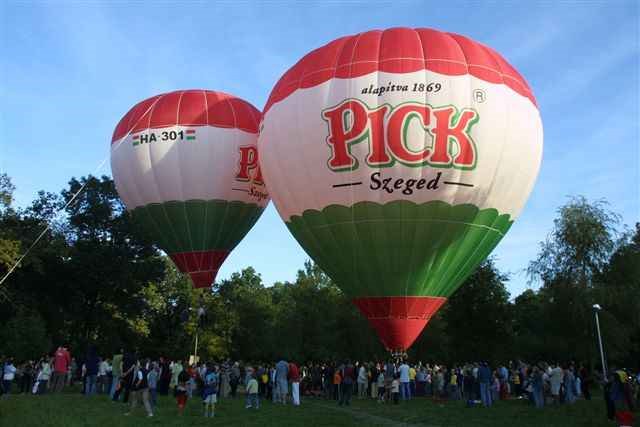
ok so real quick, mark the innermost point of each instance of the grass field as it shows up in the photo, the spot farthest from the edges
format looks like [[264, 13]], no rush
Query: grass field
[[73, 409]]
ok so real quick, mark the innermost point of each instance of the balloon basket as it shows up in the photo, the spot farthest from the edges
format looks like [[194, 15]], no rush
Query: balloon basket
[[398, 355]]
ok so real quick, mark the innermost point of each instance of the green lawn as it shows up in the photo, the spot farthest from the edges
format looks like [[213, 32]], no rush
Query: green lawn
[[73, 409]]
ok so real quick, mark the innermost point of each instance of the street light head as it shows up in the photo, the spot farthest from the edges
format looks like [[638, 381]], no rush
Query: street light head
[[597, 307]]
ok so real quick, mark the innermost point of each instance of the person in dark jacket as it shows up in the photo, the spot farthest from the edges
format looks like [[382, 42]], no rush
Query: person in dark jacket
[[484, 379], [165, 377], [128, 366], [26, 382], [348, 378], [91, 371], [139, 388]]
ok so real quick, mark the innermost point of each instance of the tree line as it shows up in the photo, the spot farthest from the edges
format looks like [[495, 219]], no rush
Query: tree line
[[94, 279]]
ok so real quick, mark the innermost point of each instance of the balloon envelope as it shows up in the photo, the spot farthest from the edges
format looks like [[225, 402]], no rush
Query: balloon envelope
[[185, 163], [398, 160]]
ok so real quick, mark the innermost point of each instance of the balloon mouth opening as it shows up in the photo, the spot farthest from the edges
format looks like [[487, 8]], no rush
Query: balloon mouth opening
[[398, 321], [202, 266], [203, 279]]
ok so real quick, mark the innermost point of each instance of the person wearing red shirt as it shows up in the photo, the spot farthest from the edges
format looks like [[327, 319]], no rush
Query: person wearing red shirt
[[294, 379], [61, 362]]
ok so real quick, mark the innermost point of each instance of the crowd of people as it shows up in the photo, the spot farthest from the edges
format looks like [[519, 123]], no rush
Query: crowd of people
[[133, 380]]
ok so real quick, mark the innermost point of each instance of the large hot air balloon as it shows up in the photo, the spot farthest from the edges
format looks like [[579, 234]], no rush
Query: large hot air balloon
[[185, 163], [398, 159]]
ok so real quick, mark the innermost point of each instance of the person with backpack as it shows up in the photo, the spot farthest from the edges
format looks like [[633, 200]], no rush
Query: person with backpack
[[210, 391], [139, 388]]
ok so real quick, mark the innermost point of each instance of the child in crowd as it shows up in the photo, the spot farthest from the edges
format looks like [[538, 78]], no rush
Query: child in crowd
[[495, 388], [380, 384], [395, 389], [181, 391], [252, 393], [210, 392]]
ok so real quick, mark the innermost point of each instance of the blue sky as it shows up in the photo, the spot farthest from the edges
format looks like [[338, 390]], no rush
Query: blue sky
[[70, 70]]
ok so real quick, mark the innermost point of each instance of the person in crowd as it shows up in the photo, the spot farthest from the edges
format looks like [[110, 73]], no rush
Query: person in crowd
[[72, 372], [495, 387], [26, 382], [294, 378], [128, 367], [372, 373], [503, 380], [569, 384], [164, 376], [537, 384], [234, 379], [210, 391], [421, 381], [412, 380], [281, 375], [469, 384], [116, 372], [44, 374], [484, 379], [327, 380], [439, 382], [348, 376], [363, 379], [556, 377], [153, 377], [92, 363], [102, 379], [61, 362], [380, 384], [454, 390], [428, 386], [516, 381], [405, 392], [139, 389], [395, 389], [180, 391], [176, 370], [337, 382], [253, 401], [8, 375], [191, 382], [225, 386]]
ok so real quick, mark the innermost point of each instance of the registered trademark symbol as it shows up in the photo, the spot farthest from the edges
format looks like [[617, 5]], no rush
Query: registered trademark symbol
[[479, 95]]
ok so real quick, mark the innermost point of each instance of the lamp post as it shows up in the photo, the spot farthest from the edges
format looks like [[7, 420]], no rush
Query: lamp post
[[596, 309]]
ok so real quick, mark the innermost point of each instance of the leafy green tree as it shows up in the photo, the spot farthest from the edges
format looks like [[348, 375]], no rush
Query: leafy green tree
[[250, 311], [25, 336], [617, 290], [9, 246], [577, 251], [108, 264], [478, 317], [530, 335]]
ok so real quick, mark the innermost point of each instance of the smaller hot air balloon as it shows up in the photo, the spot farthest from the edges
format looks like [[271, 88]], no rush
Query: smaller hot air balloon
[[185, 163]]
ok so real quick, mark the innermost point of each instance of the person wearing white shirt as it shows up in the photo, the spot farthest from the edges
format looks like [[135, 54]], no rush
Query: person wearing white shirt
[[363, 379], [8, 375]]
